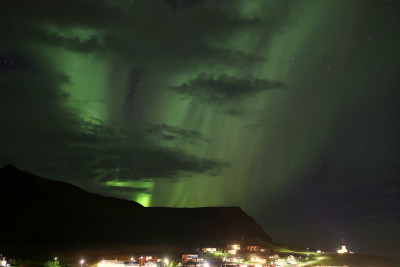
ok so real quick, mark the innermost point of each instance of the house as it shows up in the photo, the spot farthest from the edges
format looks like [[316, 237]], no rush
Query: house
[[232, 249], [343, 249], [189, 257], [209, 250], [3, 260], [253, 248]]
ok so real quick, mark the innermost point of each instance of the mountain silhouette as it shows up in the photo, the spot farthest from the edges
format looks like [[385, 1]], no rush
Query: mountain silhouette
[[39, 213]]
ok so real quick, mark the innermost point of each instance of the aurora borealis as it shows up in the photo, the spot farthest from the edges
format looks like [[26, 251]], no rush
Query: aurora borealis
[[288, 109]]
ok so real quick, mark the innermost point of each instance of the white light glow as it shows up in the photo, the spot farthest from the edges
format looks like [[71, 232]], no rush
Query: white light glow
[[342, 250]]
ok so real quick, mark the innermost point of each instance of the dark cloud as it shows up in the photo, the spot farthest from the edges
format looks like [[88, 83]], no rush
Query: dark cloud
[[164, 132], [75, 43], [42, 135], [117, 190], [153, 163], [236, 111], [184, 3], [142, 32], [96, 153], [224, 88]]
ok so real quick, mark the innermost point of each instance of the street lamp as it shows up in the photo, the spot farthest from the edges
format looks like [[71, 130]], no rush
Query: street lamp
[[82, 261], [166, 262]]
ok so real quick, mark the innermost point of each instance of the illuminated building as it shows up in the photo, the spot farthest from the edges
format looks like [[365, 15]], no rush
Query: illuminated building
[[343, 249], [291, 260], [256, 259], [3, 261], [233, 247], [253, 248], [209, 250], [189, 257], [232, 258], [232, 251]]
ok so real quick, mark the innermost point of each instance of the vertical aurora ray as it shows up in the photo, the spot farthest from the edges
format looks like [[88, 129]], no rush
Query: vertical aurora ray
[[97, 91], [87, 74], [97, 95], [252, 172], [86, 86]]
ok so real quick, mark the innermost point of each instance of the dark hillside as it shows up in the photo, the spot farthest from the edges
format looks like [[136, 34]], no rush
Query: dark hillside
[[39, 213]]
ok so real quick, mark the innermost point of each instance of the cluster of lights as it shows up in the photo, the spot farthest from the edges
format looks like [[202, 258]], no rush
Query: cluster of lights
[[254, 260], [210, 250], [232, 251], [258, 260], [236, 247]]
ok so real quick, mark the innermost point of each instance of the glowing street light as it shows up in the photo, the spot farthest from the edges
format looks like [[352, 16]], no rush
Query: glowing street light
[[82, 261], [166, 262]]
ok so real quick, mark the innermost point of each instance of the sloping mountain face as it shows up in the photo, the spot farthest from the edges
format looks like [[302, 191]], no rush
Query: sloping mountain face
[[216, 226], [37, 212]]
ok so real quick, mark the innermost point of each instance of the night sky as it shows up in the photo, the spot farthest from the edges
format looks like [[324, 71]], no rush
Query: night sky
[[288, 109]]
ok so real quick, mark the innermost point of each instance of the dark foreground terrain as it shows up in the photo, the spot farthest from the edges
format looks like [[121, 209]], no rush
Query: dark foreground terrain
[[46, 215], [359, 260], [42, 219]]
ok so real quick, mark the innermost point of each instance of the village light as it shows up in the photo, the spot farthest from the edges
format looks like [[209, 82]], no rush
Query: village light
[[82, 261], [343, 249]]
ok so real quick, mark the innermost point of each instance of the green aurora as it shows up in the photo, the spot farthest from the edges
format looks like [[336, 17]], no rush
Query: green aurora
[[279, 107]]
